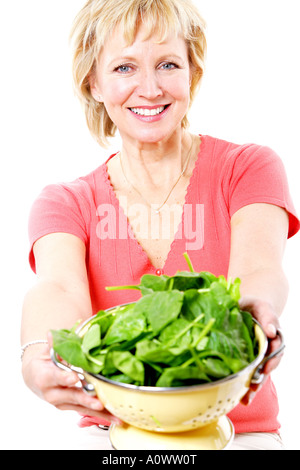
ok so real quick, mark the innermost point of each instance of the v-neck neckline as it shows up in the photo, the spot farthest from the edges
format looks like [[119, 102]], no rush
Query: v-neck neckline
[[132, 236]]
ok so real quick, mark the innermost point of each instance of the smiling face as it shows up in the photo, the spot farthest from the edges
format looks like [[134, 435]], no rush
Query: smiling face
[[145, 87]]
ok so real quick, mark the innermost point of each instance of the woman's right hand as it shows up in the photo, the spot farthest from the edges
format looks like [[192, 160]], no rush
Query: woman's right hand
[[58, 387]]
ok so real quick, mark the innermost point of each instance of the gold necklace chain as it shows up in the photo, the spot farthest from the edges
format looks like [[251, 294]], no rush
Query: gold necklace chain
[[157, 210]]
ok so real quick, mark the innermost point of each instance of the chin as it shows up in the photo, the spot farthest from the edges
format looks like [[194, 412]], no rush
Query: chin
[[153, 136]]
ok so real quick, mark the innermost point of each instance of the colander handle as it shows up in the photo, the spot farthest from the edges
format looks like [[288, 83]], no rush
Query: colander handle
[[87, 387], [258, 376]]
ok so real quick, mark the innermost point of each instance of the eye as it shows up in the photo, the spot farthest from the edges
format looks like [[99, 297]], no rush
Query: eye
[[169, 66], [124, 68]]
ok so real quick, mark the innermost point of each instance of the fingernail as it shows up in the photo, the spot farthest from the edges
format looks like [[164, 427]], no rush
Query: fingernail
[[271, 330], [251, 396], [71, 380], [97, 405], [116, 421]]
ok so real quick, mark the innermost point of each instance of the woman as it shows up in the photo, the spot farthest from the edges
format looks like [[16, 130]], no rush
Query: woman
[[137, 66]]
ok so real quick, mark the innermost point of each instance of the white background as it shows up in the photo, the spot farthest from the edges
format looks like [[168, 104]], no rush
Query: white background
[[250, 94]]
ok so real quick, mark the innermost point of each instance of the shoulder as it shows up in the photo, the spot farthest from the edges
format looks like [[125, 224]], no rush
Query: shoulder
[[230, 161], [231, 152], [77, 192], [61, 205]]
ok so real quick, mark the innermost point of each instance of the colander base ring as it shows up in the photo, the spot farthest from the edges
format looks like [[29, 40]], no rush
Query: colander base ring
[[215, 436]]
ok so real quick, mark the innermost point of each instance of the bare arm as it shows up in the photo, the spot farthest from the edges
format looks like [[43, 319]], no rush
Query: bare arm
[[258, 238], [59, 299], [60, 296]]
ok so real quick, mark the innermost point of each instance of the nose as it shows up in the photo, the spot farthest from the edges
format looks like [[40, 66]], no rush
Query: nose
[[149, 85]]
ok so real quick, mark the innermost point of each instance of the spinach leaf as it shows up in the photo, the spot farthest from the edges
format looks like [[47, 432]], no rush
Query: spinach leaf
[[153, 351], [185, 280], [216, 368], [129, 365], [177, 336], [160, 308], [68, 346], [185, 329], [149, 283], [92, 338], [122, 378], [179, 376], [154, 283], [128, 324]]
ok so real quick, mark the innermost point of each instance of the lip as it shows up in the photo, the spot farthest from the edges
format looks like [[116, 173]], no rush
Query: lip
[[148, 119]]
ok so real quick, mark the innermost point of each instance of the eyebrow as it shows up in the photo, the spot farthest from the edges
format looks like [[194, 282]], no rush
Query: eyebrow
[[126, 58], [122, 59]]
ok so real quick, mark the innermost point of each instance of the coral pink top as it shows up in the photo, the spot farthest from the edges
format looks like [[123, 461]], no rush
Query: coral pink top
[[226, 177]]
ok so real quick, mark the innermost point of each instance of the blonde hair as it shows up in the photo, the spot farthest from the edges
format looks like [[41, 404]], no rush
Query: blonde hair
[[97, 20]]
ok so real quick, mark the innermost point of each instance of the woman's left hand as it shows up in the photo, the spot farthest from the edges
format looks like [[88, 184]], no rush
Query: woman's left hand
[[264, 313]]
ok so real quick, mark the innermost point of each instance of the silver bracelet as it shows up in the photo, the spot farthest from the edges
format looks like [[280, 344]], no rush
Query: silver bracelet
[[32, 343]]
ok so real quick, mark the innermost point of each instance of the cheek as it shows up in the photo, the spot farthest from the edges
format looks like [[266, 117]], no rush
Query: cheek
[[117, 92], [177, 87]]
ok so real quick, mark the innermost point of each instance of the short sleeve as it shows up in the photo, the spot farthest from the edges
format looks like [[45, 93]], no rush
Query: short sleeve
[[257, 175], [59, 208]]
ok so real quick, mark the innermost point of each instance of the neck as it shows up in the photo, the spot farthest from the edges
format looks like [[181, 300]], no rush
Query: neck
[[156, 163]]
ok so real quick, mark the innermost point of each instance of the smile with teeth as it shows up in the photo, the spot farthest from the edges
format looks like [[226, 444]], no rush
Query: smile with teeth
[[148, 112]]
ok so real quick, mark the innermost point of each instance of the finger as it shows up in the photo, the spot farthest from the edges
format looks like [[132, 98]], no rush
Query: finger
[[271, 329], [64, 378], [253, 389], [50, 339], [247, 399], [53, 376], [271, 364], [104, 415], [72, 396], [50, 376], [264, 314], [269, 322]]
